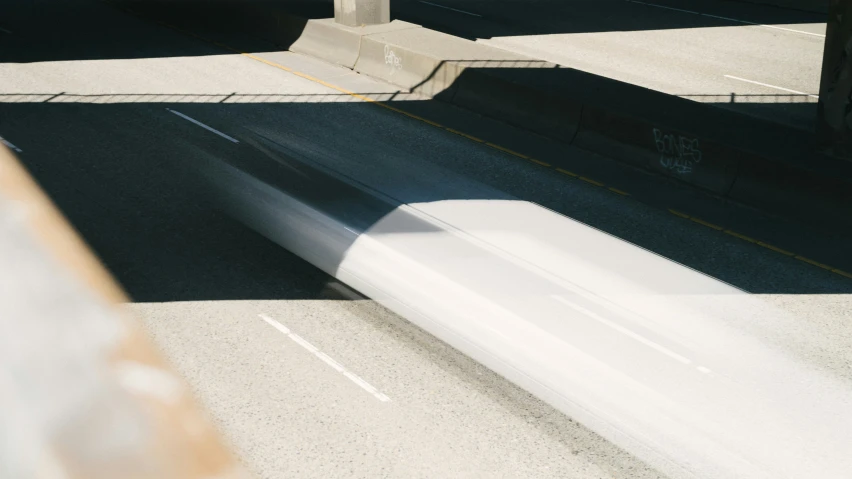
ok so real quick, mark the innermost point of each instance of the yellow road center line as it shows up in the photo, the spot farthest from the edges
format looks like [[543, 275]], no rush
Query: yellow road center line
[[397, 110], [350, 93], [566, 172], [742, 237], [539, 162], [469, 137], [842, 273], [707, 224], [616, 190], [506, 150], [429, 122], [775, 248], [810, 261], [589, 180], [678, 213]]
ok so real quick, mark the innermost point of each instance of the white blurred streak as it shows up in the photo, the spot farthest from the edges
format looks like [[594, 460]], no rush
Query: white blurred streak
[[482, 274], [761, 413]]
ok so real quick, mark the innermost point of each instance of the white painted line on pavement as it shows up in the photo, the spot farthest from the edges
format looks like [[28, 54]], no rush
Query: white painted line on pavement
[[766, 26], [202, 125], [451, 8], [623, 330], [771, 86], [728, 19], [10, 145], [325, 358]]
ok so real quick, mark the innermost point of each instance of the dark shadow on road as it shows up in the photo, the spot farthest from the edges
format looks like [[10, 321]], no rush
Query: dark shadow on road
[[146, 219], [138, 198]]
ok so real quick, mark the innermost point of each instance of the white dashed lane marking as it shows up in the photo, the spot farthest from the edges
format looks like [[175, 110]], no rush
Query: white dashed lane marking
[[325, 358]]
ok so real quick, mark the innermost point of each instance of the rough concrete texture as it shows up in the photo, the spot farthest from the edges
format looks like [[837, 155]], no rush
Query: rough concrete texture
[[356, 13], [463, 72], [423, 60], [339, 44]]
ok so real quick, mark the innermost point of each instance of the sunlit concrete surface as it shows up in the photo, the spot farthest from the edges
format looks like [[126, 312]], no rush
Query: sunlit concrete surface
[[743, 56], [726, 66], [201, 280], [689, 61], [289, 413]]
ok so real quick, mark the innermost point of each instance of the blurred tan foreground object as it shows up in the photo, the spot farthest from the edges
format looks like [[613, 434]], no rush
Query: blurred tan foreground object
[[83, 394]]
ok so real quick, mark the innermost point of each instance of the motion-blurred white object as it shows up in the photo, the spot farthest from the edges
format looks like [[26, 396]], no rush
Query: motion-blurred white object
[[658, 358]]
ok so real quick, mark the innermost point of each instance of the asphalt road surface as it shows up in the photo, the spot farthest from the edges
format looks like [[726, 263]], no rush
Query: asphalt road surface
[[756, 59], [103, 108]]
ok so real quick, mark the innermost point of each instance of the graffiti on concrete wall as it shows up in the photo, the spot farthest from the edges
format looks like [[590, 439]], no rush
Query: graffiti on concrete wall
[[392, 59], [678, 154]]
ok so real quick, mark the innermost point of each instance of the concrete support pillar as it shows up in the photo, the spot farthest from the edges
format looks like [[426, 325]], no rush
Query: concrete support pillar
[[834, 123], [356, 13]]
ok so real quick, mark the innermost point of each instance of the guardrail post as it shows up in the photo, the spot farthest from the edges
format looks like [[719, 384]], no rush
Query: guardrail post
[[357, 13]]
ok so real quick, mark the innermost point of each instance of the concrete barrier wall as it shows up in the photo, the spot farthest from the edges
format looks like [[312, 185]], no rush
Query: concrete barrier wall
[[470, 75], [793, 192], [494, 92], [404, 58], [337, 43], [665, 149]]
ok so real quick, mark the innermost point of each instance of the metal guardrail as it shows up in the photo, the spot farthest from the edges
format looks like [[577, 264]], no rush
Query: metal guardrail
[[83, 392]]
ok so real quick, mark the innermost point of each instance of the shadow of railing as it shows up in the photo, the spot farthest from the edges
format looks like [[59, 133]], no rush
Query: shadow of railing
[[235, 97]]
